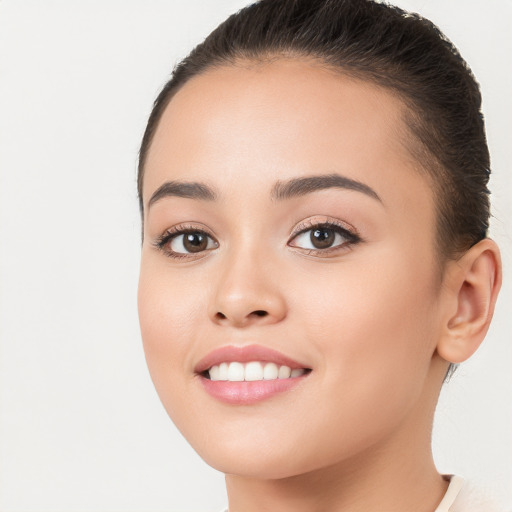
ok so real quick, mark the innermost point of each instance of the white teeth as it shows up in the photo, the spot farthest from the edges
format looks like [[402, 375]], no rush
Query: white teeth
[[284, 372], [236, 372], [252, 371], [223, 371], [271, 371], [214, 373]]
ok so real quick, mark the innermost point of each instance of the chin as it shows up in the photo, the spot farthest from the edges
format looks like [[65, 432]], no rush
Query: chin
[[252, 453], [273, 467], [271, 455]]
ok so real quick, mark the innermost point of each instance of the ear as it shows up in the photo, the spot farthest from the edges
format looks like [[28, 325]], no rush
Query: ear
[[472, 284]]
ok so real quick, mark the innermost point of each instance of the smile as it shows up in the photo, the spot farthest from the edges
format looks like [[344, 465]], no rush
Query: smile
[[249, 374]]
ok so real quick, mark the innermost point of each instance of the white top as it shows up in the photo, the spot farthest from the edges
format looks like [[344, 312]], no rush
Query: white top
[[460, 497], [450, 498]]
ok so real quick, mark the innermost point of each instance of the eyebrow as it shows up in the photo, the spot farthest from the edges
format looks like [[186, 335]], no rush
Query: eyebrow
[[305, 185], [191, 190], [281, 190]]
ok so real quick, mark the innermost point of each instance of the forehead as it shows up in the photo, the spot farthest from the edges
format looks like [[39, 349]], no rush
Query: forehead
[[257, 123]]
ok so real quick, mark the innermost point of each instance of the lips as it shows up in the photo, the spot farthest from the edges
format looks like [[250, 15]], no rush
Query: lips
[[243, 387]]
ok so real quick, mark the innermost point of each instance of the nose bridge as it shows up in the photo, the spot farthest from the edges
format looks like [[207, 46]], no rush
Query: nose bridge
[[247, 290]]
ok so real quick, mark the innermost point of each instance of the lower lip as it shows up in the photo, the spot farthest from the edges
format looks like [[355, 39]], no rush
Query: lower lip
[[248, 392]]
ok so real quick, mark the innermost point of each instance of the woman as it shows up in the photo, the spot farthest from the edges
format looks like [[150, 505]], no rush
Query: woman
[[313, 185]]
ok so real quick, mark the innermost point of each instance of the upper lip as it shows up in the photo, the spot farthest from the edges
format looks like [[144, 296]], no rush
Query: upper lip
[[245, 354]]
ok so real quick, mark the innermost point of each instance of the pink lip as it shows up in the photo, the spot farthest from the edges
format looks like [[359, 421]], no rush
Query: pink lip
[[246, 393], [245, 354]]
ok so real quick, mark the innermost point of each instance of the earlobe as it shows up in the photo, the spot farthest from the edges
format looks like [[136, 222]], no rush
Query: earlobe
[[473, 284]]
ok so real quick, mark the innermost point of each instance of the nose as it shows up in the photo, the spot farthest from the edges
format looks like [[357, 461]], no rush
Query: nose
[[247, 292]]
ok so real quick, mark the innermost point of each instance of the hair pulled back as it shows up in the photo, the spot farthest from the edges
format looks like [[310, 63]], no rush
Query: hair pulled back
[[400, 51]]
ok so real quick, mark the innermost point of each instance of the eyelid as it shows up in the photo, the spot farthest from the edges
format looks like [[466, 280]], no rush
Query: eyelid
[[187, 227], [311, 223]]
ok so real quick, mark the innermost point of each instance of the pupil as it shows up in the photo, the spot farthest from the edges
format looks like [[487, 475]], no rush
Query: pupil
[[322, 238], [195, 242]]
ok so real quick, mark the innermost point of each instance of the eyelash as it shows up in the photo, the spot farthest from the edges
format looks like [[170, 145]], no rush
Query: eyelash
[[349, 234], [351, 237], [174, 232]]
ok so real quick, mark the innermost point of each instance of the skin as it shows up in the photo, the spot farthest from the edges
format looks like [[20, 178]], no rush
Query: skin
[[376, 321]]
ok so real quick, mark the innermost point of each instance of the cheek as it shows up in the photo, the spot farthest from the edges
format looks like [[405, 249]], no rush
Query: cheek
[[379, 316], [168, 323], [374, 327]]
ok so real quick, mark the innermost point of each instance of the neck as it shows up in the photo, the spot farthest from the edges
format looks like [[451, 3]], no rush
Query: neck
[[354, 486], [396, 475]]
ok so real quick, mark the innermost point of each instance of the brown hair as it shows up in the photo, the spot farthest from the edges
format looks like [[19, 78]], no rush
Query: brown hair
[[400, 51]]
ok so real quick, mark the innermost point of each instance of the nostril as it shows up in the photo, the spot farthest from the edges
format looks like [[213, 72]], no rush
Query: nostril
[[219, 316]]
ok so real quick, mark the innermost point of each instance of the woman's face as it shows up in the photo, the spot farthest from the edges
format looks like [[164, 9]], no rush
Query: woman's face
[[309, 244]]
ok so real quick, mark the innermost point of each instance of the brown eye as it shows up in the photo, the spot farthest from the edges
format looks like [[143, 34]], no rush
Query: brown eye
[[195, 242], [191, 242], [322, 238]]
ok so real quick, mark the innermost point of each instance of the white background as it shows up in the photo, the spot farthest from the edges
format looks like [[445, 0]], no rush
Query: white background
[[81, 428]]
